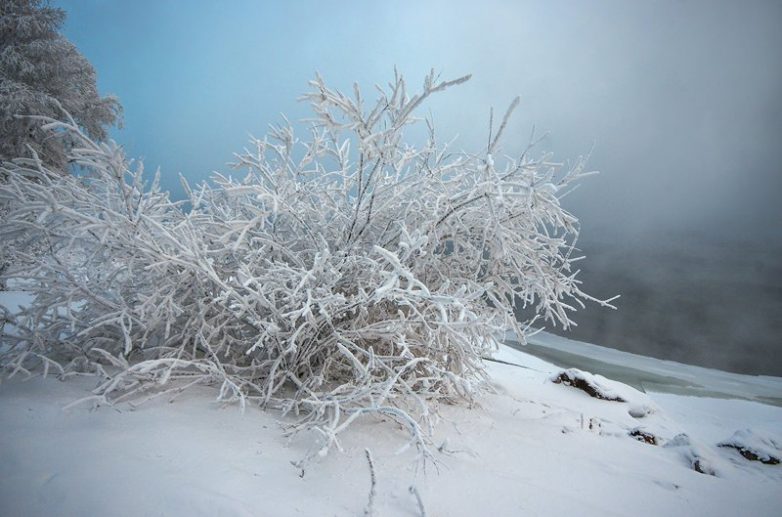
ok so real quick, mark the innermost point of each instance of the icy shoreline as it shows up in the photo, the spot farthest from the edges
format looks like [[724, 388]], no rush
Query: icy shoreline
[[649, 374]]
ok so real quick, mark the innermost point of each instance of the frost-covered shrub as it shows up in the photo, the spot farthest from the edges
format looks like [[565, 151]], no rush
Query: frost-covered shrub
[[346, 274]]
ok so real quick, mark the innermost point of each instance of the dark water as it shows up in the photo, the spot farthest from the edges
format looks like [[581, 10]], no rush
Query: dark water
[[689, 300]]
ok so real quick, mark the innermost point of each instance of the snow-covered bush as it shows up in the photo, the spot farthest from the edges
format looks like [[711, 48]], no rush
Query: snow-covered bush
[[347, 274]]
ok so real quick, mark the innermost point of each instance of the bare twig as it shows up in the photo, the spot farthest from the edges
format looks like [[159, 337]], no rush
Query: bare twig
[[421, 509], [369, 511]]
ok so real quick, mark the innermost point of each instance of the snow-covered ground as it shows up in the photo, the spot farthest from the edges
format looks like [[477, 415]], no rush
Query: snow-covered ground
[[535, 447]]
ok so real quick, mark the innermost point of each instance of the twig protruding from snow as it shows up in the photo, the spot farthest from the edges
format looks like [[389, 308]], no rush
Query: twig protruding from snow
[[419, 501], [369, 511]]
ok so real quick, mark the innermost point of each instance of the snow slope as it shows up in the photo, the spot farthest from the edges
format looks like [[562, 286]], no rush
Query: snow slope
[[533, 447]]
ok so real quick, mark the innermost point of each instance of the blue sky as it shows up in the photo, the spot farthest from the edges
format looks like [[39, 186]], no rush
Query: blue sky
[[679, 98]]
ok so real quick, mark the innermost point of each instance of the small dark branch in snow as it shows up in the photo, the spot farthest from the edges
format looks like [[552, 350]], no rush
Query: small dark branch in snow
[[698, 466], [500, 361], [445, 449], [298, 465], [692, 453], [369, 511], [752, 456], [644, 436]]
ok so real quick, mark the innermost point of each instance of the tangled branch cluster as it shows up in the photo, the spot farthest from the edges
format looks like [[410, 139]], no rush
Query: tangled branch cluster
[[348, 274]]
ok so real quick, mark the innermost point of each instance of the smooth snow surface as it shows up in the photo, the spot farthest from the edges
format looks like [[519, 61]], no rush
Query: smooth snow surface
[[531, 448]]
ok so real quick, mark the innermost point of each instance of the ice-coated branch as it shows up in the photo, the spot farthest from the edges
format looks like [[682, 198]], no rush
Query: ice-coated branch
[[369, 511]]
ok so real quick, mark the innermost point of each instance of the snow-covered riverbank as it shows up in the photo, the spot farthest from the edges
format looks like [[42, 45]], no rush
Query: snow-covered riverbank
[[650, 374], [533, 448]]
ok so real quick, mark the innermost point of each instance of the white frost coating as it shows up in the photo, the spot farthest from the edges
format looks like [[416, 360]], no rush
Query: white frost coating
[[345, 275]]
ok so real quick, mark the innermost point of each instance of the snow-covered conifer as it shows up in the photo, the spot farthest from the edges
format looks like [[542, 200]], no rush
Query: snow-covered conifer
[[42, 73]]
